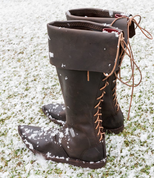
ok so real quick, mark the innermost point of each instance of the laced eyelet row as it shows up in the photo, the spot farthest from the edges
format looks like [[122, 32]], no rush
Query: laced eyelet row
[[98, 113], [126, 49]]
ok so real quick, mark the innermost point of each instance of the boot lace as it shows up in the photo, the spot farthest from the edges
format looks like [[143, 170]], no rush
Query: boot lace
[[98, 113], [127, 50], [115, 96]]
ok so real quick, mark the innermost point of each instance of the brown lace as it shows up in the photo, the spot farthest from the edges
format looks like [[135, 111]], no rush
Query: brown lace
[[127, 47], [126, 50], [98, 112], [115, 97], [100, 98], [88, 76]]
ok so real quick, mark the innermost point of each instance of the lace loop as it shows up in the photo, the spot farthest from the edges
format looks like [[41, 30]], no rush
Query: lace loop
[[127, 50], [132, 19], [144, 31]]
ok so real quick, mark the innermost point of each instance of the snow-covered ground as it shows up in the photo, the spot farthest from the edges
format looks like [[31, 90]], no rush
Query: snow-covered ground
[[27, 81]]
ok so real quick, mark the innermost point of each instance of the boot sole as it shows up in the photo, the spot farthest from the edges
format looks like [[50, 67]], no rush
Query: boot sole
[[58, 122], [75, 162]]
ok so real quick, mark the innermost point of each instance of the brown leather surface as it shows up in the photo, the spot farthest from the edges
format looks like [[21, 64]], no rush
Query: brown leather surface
[[101, 16], [81, 45], [78, 139]]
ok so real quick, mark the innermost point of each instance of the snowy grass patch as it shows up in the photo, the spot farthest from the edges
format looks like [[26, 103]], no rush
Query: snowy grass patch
[[28, 81]]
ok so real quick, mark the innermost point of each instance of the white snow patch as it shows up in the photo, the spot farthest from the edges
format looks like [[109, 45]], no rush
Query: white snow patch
[[29, 144], [51, 54], [28, 81], [110, 13], [66, 78], [143, 137], [63, 65], [72, 132]]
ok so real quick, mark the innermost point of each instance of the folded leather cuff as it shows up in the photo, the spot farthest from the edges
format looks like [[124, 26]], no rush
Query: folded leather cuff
[[83, 45], [102, 16]]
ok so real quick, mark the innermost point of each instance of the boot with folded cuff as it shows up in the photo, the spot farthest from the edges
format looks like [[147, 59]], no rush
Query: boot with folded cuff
[[113, 119], [86, 55]]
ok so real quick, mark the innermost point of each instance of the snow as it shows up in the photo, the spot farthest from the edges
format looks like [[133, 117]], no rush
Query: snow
[[110, 13], [51, 54], [72, 132], [28, 81], [63, 65], [66, 78]]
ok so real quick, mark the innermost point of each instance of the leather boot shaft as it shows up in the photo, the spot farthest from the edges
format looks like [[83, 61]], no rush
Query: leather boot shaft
[[57, 111], [80, 98]]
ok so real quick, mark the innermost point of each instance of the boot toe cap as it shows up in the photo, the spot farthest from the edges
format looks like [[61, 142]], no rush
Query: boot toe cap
[[42, 141]]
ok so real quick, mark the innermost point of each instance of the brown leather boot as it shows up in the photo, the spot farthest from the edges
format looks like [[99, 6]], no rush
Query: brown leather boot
[[81, 141], [113, 117]]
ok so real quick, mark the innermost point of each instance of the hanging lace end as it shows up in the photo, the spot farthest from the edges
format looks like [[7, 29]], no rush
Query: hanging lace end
[[88, 76]]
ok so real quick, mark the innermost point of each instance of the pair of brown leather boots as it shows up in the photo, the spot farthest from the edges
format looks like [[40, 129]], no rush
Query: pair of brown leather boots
[[87, 51]]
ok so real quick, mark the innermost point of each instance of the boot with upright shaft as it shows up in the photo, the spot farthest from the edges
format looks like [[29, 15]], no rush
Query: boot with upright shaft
[[86, 55], [113, 120]]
